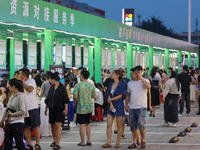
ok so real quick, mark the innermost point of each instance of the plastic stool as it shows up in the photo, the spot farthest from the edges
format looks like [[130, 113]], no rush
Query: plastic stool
[[99, 116]]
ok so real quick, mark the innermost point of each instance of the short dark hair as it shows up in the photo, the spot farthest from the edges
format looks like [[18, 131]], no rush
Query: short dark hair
[[133, 70], [85, 74], [25, 71], [185, 67], [147, 68], [138, 68], [55, 76]]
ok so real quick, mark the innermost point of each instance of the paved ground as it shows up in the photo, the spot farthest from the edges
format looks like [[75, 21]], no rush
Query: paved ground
[[157, 137]]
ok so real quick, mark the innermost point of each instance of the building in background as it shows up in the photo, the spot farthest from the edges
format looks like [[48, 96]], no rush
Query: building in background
[[83, 7], [195, 39]]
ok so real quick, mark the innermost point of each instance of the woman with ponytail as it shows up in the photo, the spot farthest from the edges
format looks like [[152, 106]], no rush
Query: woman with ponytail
[[172, 93], [57, 102], [14, 115]]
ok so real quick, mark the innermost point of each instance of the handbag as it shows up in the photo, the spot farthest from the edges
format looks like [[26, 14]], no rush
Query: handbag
[[7, 122]]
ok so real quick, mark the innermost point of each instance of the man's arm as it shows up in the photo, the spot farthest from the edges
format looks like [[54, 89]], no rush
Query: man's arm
[[150, 108], [28, 88], [146, 84], [95, 97], [127, 101]]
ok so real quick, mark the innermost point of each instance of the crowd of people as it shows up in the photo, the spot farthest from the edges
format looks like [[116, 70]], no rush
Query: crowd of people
[[122, 100]]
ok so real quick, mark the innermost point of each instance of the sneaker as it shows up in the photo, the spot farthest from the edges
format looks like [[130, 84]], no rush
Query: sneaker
[[188, 114], [164, 124], [72, 124], [180, 115], [173, 125]]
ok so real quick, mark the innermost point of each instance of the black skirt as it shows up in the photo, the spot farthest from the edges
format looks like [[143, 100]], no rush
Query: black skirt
[[171, 108], [155, 94]]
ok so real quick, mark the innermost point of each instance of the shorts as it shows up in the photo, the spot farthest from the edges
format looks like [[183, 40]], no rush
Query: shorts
[[98, 105], [126, 120], [137, 119], [56, 115], [84, 118], [33, 119]]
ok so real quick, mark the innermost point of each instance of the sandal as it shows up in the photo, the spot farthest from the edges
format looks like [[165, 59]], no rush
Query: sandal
[[38, 147], [53, 144], [56, 147], [143, 145], [132, 146], [30, 147]]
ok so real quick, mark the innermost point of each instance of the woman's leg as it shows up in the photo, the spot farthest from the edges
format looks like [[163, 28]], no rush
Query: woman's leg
[[154, 110], [119, 120], [123, 129], [53, 132], [8, 139], [58, 132], [110, 119], [17, 131], [115, 124]]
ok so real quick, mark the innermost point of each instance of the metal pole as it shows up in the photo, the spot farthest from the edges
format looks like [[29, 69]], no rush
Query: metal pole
[[189, 23]]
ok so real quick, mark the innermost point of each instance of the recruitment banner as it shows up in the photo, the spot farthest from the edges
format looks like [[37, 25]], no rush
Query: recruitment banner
[[78, 53], [125, 58], [3, 48], [147, 60], [58, 51], [122, 59], [115, 60], [42, 52], [85, 59], [68, 53], [18, 50], [32, 51], [141, 59], [103, 58], [109, 59], [78, 56]]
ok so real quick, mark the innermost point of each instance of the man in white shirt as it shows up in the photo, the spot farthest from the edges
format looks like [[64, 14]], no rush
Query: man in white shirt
[[32, 105], [136, 97]]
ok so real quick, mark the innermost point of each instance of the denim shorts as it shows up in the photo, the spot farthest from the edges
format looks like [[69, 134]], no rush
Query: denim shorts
[[137, 119]]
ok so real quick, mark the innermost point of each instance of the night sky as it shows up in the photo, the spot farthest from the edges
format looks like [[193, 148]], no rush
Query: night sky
[[174, 13]]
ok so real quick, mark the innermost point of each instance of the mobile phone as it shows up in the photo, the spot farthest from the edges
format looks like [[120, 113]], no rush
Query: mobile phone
[[180, 101], [114, 110]]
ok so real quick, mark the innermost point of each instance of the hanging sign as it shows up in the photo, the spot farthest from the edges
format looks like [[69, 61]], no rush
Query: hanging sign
[[58, 51], [32, 51], [3, 48], [18, 50]]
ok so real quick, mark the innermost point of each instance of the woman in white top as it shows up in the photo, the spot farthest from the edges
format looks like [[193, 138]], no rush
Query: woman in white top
[[172, 93], [193, 89]]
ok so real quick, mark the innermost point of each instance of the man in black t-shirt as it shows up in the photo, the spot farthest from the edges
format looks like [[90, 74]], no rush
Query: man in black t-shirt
[[36, 77], [185, 80], [198, 74]]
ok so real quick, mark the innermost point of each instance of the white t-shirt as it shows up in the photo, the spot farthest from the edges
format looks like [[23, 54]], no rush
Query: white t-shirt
[[99, 99], [138, 94], [30, 97]]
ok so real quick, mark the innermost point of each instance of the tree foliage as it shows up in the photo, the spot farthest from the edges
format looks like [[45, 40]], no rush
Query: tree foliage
[[156, 25]]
